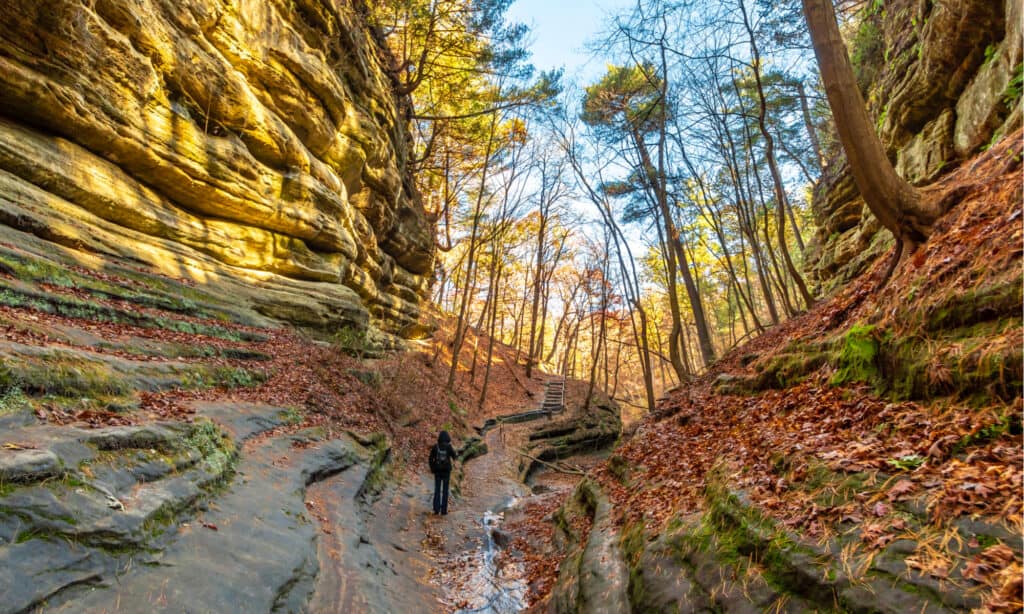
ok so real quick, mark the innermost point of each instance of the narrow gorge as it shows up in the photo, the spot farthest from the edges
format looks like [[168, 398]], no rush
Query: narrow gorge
[[256, 255]]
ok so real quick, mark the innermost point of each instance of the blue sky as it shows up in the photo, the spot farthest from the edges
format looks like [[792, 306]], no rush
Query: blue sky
[[560, 28]]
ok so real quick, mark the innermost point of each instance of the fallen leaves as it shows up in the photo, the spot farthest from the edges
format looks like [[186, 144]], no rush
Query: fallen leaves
[[901, 490], [989, 561], [937, 461]]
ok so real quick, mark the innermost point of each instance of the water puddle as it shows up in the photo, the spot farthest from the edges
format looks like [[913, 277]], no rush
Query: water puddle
[[496, 586]]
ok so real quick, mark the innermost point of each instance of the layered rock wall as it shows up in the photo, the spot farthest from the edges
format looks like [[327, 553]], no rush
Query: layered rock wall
[[257, 143], [939, 78]]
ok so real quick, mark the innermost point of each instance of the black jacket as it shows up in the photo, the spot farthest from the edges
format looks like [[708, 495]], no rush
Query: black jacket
[[444, 442]]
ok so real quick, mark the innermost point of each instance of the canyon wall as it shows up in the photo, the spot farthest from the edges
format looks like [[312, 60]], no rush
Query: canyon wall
[[942, 80], [253, 145]]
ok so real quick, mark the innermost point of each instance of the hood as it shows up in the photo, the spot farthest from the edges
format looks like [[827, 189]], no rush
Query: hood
[[444, 437]]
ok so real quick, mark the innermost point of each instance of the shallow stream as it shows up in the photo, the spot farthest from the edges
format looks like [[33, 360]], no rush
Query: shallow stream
[[497, 585]]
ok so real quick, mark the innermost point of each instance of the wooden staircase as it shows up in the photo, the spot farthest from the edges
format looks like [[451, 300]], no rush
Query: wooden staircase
[[553, 403], [554, 396]]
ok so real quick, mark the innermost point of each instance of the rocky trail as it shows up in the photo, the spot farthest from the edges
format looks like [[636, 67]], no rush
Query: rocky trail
[[200, 460]]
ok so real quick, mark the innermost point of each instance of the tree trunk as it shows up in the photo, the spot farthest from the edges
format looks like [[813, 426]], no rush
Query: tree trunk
[[490, 342], [674, 241], [781, 200], [890, 198], [812, 134], [675, 335], [531, 352], [461, 324]]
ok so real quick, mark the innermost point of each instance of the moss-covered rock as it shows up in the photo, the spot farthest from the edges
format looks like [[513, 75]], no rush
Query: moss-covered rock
[[858, 356]]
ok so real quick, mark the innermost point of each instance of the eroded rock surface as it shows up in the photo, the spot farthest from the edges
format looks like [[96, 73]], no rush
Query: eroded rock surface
[[208, 516], [254, 142]]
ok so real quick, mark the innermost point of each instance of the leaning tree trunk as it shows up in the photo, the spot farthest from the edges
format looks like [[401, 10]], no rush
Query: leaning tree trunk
[[894, 202]]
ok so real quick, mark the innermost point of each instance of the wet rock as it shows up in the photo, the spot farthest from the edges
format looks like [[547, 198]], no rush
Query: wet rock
[[120, 437], [501, 538], [595, 428], [254, 549], [593, 578], [35, 570]]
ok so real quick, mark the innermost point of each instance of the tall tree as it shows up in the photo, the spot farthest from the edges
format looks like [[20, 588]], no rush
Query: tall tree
[[551, 169], [896, 204], [631, 102]]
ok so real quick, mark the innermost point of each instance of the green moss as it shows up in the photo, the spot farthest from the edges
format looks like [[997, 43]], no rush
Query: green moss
[[12, 399], [64, 375], [1008, 423], [1013, 89], [867, 51], [381, 469], [353, 341], [33, 270], [156, 524], [986, 541], [31, 534], [224, 377], [291, 415], [214, 446], [632, 541], [976, 305], [740, 535], [37, 270], [6, 488], [474, 447], [828, 487], [976, 362], [76, 308], [905, 463], [858, 356], [788, 369], [619, 467]]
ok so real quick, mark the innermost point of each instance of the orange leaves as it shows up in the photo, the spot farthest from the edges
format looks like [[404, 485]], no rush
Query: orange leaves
[[1009, 587], [901, 490], [998, 568]]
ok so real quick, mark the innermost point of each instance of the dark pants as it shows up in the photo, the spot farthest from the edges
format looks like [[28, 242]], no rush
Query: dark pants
[[441, 492]]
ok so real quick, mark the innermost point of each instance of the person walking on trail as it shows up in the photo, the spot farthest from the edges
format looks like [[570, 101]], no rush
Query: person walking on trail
[[442, 455]]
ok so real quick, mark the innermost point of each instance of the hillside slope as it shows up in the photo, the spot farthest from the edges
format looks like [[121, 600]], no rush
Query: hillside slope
[[864, 456]]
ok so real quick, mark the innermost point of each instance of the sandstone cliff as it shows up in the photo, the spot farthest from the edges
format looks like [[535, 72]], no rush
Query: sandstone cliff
[[942, 80], [254, 146]]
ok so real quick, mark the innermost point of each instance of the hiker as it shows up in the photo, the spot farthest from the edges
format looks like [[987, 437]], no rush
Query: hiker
[[442, 455]]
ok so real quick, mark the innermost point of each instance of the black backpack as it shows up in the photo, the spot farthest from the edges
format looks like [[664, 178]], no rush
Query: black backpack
[[440, 458]]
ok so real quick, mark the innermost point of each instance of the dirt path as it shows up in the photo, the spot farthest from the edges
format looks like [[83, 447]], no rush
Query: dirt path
[[393, 554], [463, 542]]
